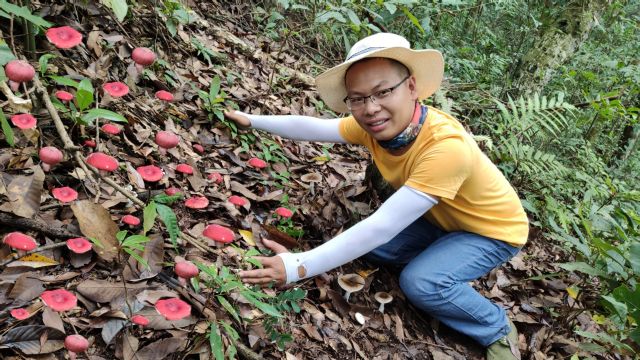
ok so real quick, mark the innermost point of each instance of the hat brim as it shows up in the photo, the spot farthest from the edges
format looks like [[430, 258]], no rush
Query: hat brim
[[426, 65]]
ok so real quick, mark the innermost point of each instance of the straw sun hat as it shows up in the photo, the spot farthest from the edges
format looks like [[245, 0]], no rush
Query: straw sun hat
[[426, 65]]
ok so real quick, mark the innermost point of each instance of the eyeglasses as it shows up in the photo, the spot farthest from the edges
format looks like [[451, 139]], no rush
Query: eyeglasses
[[357, 103]]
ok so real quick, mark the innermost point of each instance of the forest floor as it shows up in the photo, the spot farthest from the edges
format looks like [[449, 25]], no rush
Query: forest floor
[[326, 187]]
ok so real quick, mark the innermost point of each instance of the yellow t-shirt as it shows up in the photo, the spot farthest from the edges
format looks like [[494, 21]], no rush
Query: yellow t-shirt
[[445, 161]]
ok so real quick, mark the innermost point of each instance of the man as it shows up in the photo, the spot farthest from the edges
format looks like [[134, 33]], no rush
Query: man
[[454, 216]]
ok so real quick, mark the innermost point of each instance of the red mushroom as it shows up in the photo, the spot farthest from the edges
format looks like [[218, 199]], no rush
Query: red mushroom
[[64, 37], [130, 220], [219, 234], [185, 169], [216, 177], [24, 121], [198, 148], [59, 299], [140, 320], [196, 202], [111, 129], [237, 200], [79, 245], [166, 140], [150, 173], [75, 344], [164, 95], [116, 89], [64, 194], [173, 309], [90, 143], [102, 162], [284, 212], [143, 56], [172, 191], [185, 271], [18, 71], [257, 163], [19, 241], [20, 313], [64, 96], [50, 156]]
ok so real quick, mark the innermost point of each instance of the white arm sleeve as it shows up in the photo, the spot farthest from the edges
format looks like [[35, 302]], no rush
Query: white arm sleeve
[[298, 127], [399, 211]]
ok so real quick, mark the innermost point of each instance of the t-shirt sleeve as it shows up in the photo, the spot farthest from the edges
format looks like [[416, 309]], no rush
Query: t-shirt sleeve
[[442, 169], [351, 131]]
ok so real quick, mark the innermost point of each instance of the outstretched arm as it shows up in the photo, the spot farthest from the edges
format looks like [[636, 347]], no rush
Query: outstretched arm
[[399, 211], [296, 127]]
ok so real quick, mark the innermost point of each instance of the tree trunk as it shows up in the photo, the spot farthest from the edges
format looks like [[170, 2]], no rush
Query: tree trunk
[[557, 43]]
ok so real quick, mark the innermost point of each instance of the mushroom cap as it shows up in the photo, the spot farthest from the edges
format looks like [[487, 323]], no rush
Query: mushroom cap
[[64, 194], [237, 200], [219, 233], [116, 89], [131, 220], [150, 173], [76, 343], [143, 56], [64, 95], [172, 191], [186, 269], [196, 202], [167, 139], [111, 129], [79, 245], [19, 241], [140, 320], [198, 148], [216, 177], [90, 143], [59, 299], [102, 161], [164, 95], [24, 121], [20, 313], [173, 309], [50, 155], [257, 163], [284, 212], [185, 169], [383, 297], [351, 282], [19, 71], [64, 37]]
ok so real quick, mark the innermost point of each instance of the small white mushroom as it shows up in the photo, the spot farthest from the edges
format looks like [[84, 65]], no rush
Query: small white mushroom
[[350, 283], [360, 318], [383, 298]]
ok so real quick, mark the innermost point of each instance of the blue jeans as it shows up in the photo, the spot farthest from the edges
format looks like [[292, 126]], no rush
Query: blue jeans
[[437, 268]]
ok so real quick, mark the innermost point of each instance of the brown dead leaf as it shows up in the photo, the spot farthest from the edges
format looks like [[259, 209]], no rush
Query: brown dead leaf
[[312, 331], [129, 345], [104, 291], [52, 319], [24, 192], [280, 237], [26, 288], [95, 221]]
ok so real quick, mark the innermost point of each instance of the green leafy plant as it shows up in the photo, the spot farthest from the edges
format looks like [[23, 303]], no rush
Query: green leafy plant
[[176, 14], [132, 245]]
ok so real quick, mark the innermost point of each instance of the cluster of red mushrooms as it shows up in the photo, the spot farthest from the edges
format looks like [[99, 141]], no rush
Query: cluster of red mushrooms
[[61, 300]]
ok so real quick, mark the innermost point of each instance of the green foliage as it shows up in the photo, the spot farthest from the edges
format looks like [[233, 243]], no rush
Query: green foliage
[[119, 8], [133, 245], [176, 14], [6, 129], [7, 10]]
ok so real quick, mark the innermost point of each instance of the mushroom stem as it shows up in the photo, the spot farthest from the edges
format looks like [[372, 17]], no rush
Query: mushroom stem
[[45, 167], [72, 355], [381, 308], [347, 295]]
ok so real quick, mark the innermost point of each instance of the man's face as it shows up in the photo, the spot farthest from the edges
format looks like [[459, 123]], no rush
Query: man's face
[[390, 115]]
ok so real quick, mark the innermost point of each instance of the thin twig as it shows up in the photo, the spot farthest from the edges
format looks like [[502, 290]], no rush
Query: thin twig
[[16, 256]]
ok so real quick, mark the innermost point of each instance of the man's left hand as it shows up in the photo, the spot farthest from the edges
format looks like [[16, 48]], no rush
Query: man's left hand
[[273, 270]]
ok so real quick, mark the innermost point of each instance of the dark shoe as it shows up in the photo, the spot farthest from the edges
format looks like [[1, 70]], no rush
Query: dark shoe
[[506, 348]]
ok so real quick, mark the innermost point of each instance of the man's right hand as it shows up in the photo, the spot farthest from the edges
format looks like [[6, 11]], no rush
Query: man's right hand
[[239, 119]]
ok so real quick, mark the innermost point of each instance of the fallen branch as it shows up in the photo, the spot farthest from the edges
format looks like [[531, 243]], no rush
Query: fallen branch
[[16, 256], [35, 225]]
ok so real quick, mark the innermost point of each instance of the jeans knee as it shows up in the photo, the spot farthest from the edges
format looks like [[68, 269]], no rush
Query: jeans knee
[[421, 290]]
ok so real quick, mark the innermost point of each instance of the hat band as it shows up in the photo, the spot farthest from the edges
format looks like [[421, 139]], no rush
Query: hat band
[[363, 51]]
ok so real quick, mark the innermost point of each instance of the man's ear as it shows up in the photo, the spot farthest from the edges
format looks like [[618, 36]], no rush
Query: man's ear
[[413, 88]]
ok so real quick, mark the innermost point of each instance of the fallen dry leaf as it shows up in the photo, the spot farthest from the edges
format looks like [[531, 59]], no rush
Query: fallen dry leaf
[[95, 222]]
